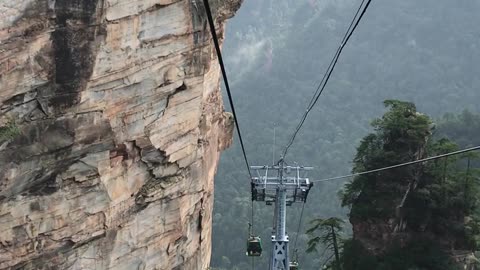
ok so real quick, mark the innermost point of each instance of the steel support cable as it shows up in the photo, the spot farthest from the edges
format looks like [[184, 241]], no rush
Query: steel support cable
[[338, 49], [225, 79], [332, 62], [229, 94], [309, 107], [400, 165], [321, 87], [298, 229]]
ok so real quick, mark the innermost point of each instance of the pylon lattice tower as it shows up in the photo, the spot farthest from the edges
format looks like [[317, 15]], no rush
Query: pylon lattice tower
[[281, 185]]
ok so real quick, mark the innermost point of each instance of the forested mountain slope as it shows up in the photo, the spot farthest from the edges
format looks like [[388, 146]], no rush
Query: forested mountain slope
[[276, 51]]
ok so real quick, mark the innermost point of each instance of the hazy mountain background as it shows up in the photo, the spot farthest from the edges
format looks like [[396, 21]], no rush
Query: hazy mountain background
[[276, 52]]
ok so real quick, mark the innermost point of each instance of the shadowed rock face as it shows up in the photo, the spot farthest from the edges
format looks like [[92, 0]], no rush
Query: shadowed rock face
[[118, 125]]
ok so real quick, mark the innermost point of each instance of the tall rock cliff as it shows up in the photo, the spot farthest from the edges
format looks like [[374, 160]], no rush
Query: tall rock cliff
[[111, 125]]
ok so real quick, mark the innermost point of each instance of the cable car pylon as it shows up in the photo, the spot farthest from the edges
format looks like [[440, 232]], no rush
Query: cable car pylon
[[281, 185]]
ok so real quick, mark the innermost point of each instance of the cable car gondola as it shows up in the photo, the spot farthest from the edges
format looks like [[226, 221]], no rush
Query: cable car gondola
[[254, 246], [293, 265]]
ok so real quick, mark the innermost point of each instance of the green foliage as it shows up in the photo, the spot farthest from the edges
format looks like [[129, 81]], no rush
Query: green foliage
[[329, 229], [419, 254], [472, 231], [446, 198], [9, 131], [355, 256], [351, 191], [443, 207], [402, 128], [329, 236], [463, 128], [398, 137]]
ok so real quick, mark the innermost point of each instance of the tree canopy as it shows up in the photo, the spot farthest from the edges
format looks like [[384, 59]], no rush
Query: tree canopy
[[424, 211]]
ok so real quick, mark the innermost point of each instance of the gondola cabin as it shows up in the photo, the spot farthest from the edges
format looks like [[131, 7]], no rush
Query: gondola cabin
[[293, 266], [254, 246]]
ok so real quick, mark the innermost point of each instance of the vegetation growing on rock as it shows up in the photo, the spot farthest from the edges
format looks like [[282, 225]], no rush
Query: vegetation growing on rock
[[423, 216], [9, 131]]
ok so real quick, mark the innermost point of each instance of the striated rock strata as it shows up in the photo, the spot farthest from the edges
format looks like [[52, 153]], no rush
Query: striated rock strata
[[111, 125]]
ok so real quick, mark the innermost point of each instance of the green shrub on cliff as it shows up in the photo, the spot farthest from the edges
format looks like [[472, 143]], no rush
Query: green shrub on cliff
[[9, 131], [400, 136], [431, 209], [418, 255]]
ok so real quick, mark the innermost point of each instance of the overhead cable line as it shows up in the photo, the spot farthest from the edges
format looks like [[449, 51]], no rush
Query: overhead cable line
[[298, 229], [321, 87], [336, 53], [400, 165], [230, 98], [225, 79]]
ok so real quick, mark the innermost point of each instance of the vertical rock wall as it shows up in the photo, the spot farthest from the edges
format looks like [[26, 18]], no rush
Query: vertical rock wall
[[111, 125]]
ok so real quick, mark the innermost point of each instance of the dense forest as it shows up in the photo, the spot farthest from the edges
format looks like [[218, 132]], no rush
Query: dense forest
[[423, 52]]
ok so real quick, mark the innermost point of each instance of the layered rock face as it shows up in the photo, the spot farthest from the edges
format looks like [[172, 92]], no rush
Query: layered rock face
[[112, 123]]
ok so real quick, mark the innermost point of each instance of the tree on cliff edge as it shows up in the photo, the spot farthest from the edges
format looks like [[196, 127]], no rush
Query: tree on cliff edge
[[410, 217], [401, 135]]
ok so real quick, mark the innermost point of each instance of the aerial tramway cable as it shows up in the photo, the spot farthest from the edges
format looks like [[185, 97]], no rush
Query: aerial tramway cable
[[298, 229], [400, 165], [230, 98], [225, 79], [343, 41], [321, 87]]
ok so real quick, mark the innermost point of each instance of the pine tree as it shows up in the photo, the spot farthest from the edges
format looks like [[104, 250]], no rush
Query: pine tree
[[329, 235]]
